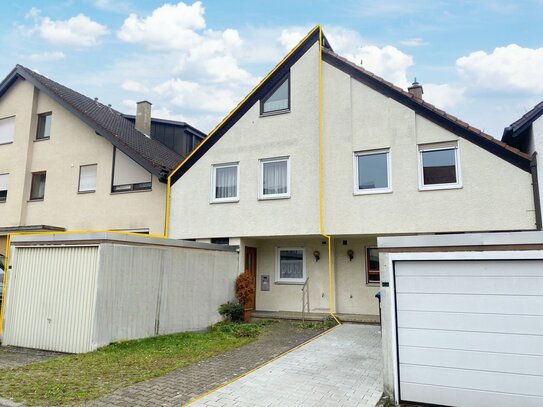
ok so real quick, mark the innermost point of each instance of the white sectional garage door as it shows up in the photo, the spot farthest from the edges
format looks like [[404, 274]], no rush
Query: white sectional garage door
[[470, 333]]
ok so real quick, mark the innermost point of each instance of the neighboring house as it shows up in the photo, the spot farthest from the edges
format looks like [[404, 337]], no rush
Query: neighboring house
[[322, 147], [68, 162], [526, 134]]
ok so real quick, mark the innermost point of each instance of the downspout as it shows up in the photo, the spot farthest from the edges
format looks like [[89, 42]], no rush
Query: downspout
[[535, 187], [321, 209], [5, 283]]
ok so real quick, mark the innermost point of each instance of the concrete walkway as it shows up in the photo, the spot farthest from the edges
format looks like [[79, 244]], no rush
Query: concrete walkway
[[341, 368]]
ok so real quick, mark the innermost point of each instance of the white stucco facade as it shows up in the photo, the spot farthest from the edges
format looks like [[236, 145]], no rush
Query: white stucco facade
[[354, 118]]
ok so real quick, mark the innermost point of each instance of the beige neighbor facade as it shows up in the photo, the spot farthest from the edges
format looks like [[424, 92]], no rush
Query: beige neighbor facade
[[362, 115], [124, 187]]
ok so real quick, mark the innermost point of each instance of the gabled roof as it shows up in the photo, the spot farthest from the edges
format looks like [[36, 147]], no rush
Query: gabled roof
[[256, 94], [107, 122], [430, 112], [425, 109], [516, 128]]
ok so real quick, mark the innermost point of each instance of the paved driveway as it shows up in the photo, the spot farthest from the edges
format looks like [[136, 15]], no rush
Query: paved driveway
[[340, 368]]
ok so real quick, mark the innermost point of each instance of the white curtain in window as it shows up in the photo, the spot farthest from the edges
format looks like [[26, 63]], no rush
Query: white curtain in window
[[3, 182], [7, 130], [291, 264], [274, 178], [226, 182], [87, 178]]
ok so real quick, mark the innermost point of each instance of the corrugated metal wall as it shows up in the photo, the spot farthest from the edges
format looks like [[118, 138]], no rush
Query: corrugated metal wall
[[50, 298], [145, 291]]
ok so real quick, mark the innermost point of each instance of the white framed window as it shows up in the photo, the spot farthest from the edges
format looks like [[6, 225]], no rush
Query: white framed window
[[3, 187], [373, 273], [274, 178], [277, 100], [439, 167], [7, 130], [372, 172], [87, 178], [225, 185], [290, 265]]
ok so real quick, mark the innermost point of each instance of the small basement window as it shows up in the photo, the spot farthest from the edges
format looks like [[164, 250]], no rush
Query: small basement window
[[291, 265], [37, 188], [373, 274], [3, 187], [44, 126], [439, 167], [220, 240], [278, 98]]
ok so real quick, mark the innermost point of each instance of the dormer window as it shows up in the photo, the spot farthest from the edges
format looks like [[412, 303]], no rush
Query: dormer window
[[277, 100]]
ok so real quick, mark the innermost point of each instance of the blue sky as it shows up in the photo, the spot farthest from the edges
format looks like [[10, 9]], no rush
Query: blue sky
[[479, 60]]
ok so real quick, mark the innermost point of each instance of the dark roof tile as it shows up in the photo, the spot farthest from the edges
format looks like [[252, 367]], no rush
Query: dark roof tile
[[110, 123]]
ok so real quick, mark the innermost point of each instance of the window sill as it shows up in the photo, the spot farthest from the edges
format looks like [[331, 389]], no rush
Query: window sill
[[275, 113], [438, 187], [273, 197], [282, 282], [86, 192], [6, 143], [224, 201], [36, 200], [372, 191], [42, 139], [129, 192], [376, 285]]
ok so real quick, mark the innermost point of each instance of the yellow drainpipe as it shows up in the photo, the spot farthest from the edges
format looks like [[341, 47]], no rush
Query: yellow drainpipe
[[321, 203]]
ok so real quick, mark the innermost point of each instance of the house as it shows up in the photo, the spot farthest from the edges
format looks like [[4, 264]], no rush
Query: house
[[321, 159], [68, 162], [526, 134]]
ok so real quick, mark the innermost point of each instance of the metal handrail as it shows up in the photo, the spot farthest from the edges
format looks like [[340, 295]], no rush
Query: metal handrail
[[305, 298]]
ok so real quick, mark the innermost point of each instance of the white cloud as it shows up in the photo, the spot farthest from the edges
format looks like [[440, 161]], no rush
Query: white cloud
[[169, 27], [444, 96], [45, 56], [187, 94], [505, 70], [134, 86], [77, 32], [388, 62], [413, 42]]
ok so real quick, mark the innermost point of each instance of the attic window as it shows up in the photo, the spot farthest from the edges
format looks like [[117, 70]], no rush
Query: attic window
[[277, 100]]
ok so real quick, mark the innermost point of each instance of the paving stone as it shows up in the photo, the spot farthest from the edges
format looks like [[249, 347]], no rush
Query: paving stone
[[343, 367], [182, 385]]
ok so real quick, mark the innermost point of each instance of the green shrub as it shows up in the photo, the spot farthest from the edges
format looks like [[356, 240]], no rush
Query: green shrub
[[237, 329], [231, 311]]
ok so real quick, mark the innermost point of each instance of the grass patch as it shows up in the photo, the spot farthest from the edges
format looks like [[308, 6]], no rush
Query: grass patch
[[72, 379], [317, 325]]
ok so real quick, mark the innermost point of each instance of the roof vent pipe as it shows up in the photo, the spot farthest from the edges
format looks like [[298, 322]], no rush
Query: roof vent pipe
[[143, 117], [416, 90]]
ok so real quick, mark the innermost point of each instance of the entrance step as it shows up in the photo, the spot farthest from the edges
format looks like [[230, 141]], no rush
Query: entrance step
[[316, 316]]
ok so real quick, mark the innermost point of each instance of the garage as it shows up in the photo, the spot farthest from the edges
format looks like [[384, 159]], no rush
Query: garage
[[465, 320]]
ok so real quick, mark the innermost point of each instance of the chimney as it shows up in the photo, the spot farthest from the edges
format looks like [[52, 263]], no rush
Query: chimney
[[416, 90], [143, 117]]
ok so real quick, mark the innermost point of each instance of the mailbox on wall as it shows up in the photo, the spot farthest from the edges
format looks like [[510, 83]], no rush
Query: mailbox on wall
[[265, 283]]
